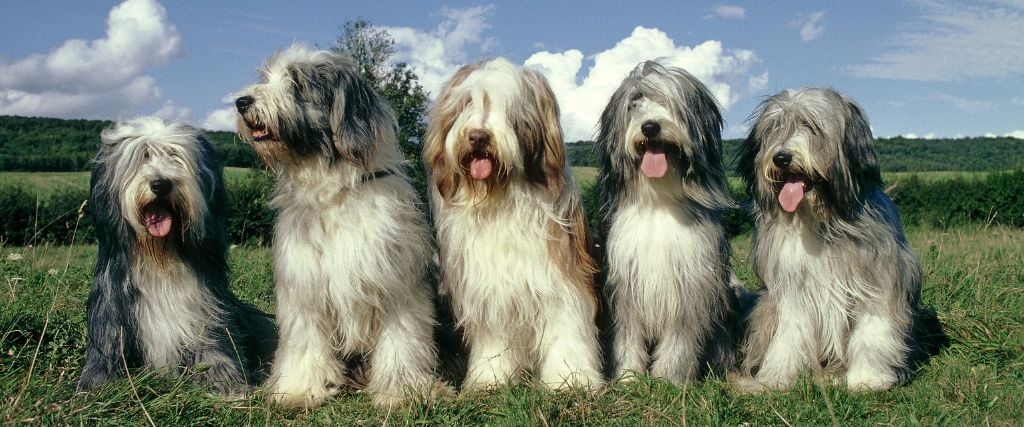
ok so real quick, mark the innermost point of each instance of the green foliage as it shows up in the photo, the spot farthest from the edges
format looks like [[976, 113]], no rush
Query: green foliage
[[975, 277], [37, 144], [998, 198], [250, 219]]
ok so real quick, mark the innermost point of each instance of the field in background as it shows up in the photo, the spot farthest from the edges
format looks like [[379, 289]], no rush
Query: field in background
[[50, 181], [975, 285]]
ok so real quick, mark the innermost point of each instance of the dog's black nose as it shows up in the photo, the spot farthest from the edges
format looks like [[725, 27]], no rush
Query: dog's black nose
[[243, 103], [479, 137], [650, 129], [782, 159], [161, 187]]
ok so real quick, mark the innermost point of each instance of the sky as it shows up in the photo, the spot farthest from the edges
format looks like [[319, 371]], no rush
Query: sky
[[921, 68]]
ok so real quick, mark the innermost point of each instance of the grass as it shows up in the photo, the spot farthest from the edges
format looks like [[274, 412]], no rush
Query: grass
[[975, 284]]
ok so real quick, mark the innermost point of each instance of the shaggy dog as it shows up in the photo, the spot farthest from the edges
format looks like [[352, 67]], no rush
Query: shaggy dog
[[351, 246], [842, 282], [663, 191], [160, 296], [511, 229]]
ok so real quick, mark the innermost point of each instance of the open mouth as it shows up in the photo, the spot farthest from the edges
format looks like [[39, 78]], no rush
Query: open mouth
[[794, 187], [479, 164], [259, 131], [158, 218], [654, 163]]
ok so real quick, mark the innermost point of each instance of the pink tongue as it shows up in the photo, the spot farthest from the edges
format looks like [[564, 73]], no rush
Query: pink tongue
[[654, 164], [158, 222], [481, 167], [257, 134], [791, 195]]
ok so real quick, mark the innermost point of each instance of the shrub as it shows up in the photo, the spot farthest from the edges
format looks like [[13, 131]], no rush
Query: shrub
[[29, 218]]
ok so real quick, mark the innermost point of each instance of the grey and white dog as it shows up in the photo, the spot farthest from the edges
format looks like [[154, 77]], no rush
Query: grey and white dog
[[842, 282], [351, 246], [160, 295], [663, 190]]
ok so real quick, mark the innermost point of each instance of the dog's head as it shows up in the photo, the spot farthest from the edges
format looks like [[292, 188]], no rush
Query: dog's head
[[162, 180], [491, 124], [810, 149], [313, 103], [660, 125]]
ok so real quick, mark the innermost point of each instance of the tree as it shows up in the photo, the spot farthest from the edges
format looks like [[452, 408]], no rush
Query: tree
[[373, 50]]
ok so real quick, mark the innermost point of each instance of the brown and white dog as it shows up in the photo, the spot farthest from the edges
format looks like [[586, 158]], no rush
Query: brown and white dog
[[511, 229]]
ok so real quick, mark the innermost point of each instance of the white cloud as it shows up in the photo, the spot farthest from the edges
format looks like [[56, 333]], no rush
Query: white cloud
[[1018, 134], [911, 136], [173, 112], [811, 26], [929, 135], [990, 135], [725, 72], [727, 12], [435, 55], [966, 105], [100, 78], [955, 40], [222, 119], [757, 83]]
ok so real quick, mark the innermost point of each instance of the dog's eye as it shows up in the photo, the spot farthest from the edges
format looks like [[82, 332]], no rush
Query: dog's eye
[[145, 155]]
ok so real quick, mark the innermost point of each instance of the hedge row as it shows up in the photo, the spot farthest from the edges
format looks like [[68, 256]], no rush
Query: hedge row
[[59, 218]]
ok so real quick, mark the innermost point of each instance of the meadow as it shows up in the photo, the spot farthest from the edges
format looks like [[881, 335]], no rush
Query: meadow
[[974, 285]]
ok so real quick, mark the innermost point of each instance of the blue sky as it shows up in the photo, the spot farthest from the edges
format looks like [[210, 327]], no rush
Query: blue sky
[[923, 68]]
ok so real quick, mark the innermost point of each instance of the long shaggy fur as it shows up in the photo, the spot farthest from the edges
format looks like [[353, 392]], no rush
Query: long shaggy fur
[[667, 257], [842, 282], [160, 296], [351, 246], [511, 229]]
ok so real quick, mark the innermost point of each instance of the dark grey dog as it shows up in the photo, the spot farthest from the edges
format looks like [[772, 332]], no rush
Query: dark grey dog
[[842, 282], [663, 191], [160, 298]]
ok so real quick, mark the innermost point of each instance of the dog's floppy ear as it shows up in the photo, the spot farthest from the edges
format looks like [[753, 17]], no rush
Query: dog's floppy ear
[[358, 118], [540, 134], [859, 146], [442, 116], [704, 126], [746, 159]]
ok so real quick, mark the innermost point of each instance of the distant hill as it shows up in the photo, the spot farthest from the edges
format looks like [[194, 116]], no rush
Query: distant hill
[[894, 154], [58, 145], [55, 145]]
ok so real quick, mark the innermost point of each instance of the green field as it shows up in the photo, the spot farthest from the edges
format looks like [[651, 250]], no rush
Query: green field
[[975, 284]]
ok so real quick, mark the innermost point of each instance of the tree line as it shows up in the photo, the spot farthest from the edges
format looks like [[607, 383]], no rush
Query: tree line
[[35, 144]]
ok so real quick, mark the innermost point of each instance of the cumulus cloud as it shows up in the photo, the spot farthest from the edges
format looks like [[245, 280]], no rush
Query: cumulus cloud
[[727, 12], [221, 118], [1018, 134], [100, 78], [954, 40], [811, 26], [436, 54], [724, 71]]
